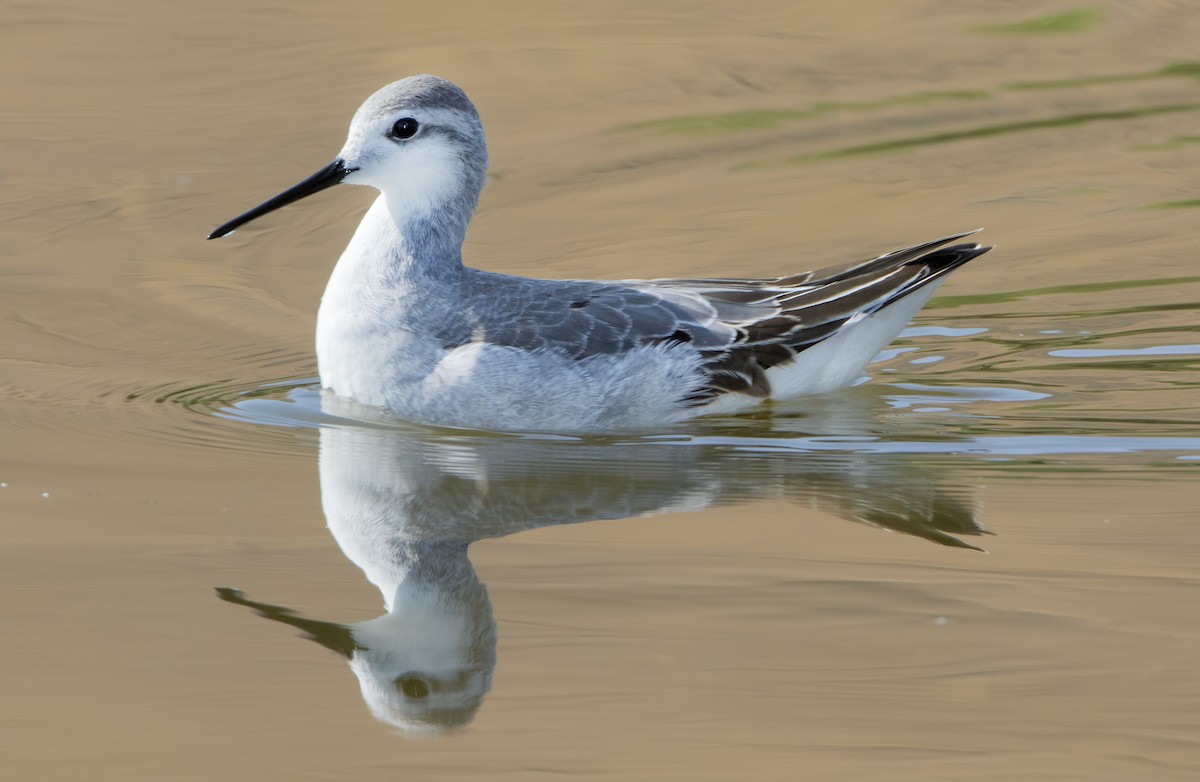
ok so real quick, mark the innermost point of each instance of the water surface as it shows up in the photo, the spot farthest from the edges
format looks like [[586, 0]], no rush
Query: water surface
[[734, 598]]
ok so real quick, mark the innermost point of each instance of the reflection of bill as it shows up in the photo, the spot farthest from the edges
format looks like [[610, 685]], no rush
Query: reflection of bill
[[404, 504], [426, 664]]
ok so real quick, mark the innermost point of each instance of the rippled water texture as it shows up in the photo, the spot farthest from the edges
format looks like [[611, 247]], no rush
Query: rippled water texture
[[210, 571]]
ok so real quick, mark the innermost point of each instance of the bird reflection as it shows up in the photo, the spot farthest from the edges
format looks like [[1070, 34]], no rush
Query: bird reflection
[[405, 503]]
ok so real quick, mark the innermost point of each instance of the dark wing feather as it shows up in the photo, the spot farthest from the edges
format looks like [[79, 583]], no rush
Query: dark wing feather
[[801, 310]]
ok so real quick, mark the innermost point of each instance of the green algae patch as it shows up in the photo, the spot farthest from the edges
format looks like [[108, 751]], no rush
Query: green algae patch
[[1083, 81], [1181, 69], [1174, 70], [912, 142], [1076, 21], [762, 119], [769, 119], [947, 302], [1187, 203]]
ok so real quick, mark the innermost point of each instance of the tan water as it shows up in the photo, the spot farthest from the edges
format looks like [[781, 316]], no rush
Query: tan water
[[737, 605]]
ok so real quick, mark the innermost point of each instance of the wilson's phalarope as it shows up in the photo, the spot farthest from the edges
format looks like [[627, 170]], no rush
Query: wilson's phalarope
[[405, 326]]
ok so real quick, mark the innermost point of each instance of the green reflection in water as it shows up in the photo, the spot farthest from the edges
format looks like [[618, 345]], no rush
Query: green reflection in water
[[985, 131], [771, 118], [1172, 71], [1187, 203], [943, 302], [1075, 21], [766, 119]]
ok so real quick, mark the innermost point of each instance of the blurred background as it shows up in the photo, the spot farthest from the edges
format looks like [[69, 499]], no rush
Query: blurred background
[[1048, 394]]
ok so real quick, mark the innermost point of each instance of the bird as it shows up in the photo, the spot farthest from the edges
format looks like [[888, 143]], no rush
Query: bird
[[404, 325]]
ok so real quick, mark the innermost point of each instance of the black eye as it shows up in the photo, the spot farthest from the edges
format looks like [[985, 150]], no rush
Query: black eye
[[412, 686], [405, 128]]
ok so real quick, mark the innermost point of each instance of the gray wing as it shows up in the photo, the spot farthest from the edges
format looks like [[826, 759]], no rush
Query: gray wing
[[584, 318], [740, 327]]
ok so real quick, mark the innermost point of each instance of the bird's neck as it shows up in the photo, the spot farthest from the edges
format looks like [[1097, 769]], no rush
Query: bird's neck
[[399, 241]]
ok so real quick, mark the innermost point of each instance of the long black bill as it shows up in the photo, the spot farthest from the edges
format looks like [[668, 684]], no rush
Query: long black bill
[[327, 177]]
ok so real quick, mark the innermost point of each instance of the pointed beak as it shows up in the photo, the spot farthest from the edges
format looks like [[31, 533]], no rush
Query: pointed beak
[[325, 178]]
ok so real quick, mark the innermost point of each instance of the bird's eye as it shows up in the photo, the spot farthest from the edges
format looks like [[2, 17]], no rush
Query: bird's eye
[[405, 128], [413, 687]]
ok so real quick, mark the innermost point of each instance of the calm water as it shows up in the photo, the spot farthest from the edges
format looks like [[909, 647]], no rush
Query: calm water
[[980, 563]]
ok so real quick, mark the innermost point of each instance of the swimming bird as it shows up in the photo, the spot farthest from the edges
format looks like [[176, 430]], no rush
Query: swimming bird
[[404, 325]]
